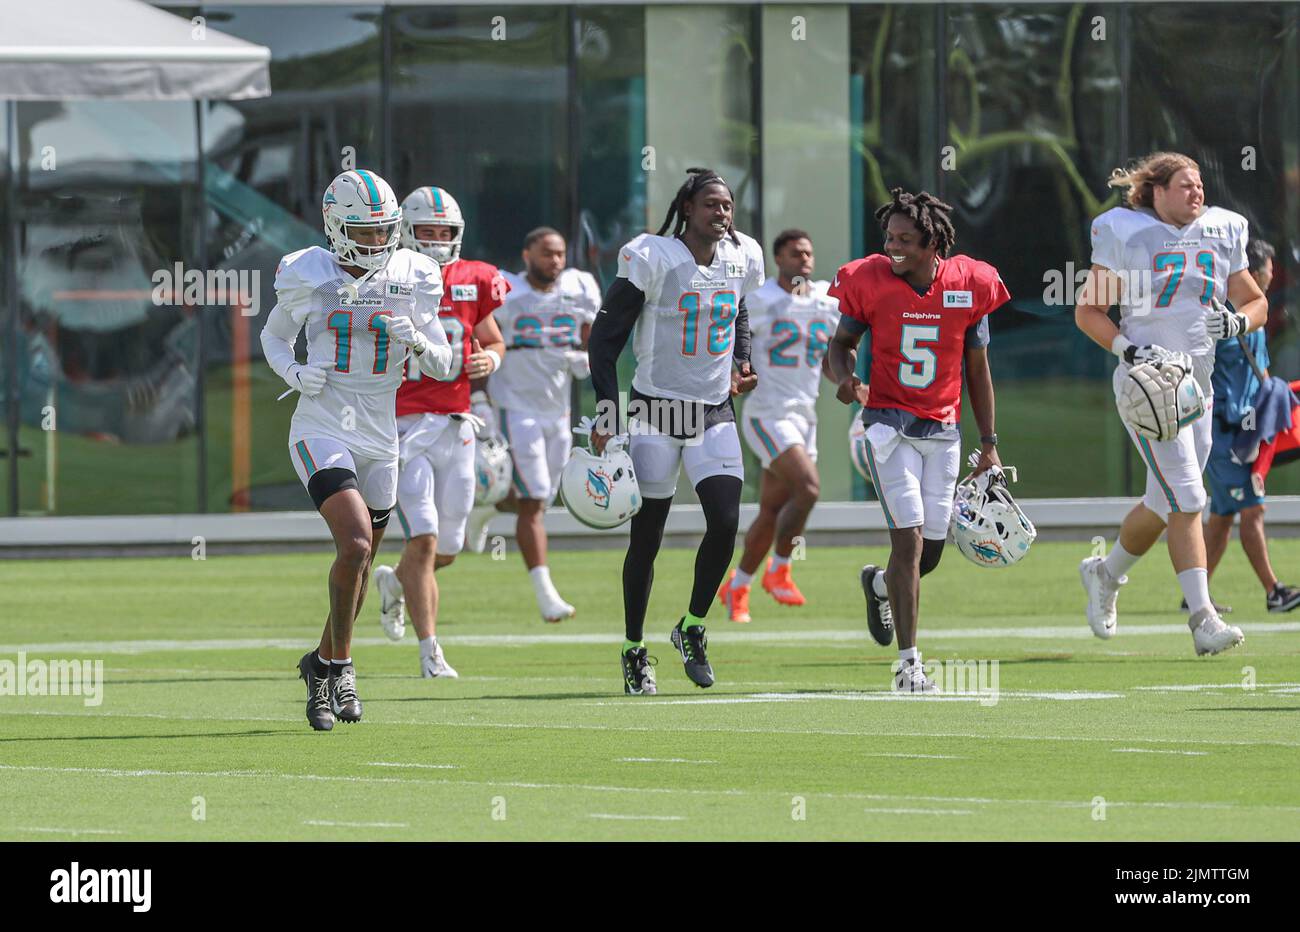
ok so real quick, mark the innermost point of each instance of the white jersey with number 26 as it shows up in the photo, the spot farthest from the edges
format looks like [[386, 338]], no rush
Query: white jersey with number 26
[[684, 337], [791, 334]]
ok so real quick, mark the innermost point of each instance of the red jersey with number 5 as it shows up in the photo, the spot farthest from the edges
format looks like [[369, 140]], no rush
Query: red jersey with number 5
[[471, 291], [918, 341]]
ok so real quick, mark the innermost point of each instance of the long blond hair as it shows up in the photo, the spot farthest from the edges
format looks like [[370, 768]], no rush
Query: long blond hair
[[1150, 170]]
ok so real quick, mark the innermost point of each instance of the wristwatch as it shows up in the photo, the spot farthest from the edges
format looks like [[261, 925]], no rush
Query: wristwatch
[[991, 440]]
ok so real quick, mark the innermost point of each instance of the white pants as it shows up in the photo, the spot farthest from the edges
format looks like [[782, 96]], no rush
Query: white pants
[[435, 489], [539, 448], [376, 478], [769, 437], [914, 479], [658, 458], [1175, 467]]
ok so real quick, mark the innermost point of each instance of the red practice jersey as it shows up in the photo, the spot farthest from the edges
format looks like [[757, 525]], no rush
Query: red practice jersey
[[917, 341], [470, 292]]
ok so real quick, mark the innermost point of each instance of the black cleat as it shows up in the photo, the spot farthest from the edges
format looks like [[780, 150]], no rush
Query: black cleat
[[319, 714], [1221, 609], [1282, 598], [343, 695], [692, 644], [880, 617], [638, 673]]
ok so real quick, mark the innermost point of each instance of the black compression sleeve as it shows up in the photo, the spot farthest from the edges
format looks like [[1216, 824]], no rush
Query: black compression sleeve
[[618, 315], [744, 339]]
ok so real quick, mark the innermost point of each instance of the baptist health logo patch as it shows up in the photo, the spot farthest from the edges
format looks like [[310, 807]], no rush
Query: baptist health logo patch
[[735, 270], [398, 290], [598, 488], [958, 299], [464, 292]]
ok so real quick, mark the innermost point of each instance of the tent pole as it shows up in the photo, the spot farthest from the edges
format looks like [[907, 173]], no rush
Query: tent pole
[[11, 298], [200, 410]]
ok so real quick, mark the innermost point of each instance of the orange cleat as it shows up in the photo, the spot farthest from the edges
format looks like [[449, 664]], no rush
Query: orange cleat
[[780, 584], [736, 601]]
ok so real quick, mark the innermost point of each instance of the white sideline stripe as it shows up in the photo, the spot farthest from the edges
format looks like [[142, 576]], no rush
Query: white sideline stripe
[[919, 756], [636, 818], [661, 760], [356, 824], [923, 811], [1158, 751], [295, 722], [586, 787], [389, 763], [720, 635], [889, 696], [1199, 687], [68, 831]]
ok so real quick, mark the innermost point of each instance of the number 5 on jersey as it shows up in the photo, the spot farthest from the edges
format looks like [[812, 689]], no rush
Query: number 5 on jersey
[[919, 369]]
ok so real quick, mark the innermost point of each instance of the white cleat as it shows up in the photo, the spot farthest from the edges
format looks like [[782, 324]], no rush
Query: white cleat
[[1102, 591], [476, 528], [436, 665], [392, 602], [910, 678], [1211, 635], [555, 609]]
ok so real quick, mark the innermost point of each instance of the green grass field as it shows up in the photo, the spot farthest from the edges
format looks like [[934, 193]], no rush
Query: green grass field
[[202, 713]]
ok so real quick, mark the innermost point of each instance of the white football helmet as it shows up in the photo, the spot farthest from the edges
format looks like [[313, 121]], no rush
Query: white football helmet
[[601, 491], [987, 525], [355, 200], [858, 447], [1158, 399], [432, 206], [492, 468]]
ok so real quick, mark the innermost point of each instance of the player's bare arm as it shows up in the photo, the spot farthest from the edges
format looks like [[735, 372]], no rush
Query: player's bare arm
[[486, 352], [841, 361], [1098, 293], [979, 385]]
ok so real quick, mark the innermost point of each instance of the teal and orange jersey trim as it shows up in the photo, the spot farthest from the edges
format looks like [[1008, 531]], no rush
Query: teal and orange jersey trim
[[518, 480], [1149, 455], [401, 519], [875, 480], [764, 437], [305, 455]]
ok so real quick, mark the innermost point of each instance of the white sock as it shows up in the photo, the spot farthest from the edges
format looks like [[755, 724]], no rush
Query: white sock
[[779, 561], [1196, 588], [428, 646], [741, 579], [542, 585], [910, 653], [878, 585], [1119, 561], [322, 659]]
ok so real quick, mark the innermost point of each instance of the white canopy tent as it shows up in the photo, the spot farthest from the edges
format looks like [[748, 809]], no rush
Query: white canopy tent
[[106, 50]]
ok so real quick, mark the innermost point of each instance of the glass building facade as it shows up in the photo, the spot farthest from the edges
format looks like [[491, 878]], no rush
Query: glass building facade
[[123, 397]]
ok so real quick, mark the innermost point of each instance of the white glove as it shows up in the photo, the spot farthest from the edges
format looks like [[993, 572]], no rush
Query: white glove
[[1157, 355], [483, 411], [402, 330], [307, 379], [1223, 324], [579, 363]]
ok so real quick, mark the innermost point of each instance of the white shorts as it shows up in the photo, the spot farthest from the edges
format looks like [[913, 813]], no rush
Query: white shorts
[[1175, 467], [658, 458], [376, 478], [435, 488], [914, 479], [769, 437], [539, 448]]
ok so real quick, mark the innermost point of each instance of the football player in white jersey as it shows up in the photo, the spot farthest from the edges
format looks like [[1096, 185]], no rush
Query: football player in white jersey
[[684, 296], [792, 319], [1169, 261], [366, 305], [546, 317]]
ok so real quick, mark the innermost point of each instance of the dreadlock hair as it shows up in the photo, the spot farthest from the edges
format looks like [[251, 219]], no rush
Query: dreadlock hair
[[931, 216], [699, 179]]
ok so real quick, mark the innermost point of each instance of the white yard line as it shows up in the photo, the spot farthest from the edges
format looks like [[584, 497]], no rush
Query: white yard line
[[1158, 751], [355, 824], [924, 811], [391, 763], [918, 756], [586, 787], [67, 831], [636, 818], [660, 760], [1079, 632]]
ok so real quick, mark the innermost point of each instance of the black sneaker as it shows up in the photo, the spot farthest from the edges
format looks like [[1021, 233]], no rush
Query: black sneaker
[[343, 694], [638, 673], [1283, 598], [1223, 609], [319, 713], [880, 617], [692, 644]]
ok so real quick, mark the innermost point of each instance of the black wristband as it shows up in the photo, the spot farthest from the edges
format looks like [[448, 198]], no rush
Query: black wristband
[[990, 440]]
